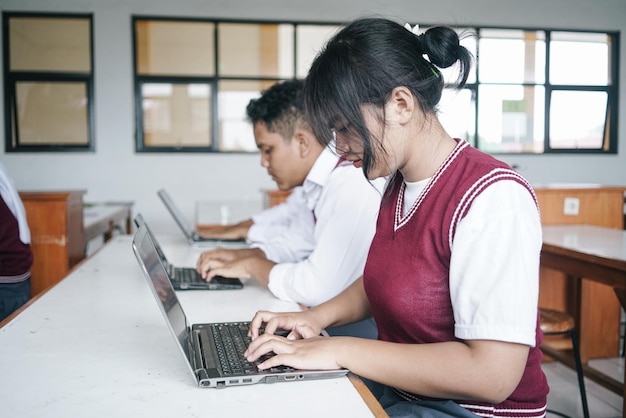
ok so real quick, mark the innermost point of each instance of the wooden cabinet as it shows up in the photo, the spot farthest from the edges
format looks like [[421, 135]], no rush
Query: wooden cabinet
[[595, 306], [597, 205], [57, 234]]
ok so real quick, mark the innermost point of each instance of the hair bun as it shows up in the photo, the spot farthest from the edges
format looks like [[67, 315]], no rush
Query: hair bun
[[442, 46]]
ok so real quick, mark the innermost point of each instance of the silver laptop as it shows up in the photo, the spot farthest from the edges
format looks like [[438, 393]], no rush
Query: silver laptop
[[192, 235], [206, 347], [187, 278]]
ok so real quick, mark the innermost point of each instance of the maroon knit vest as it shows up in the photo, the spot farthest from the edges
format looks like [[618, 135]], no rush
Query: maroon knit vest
[[15, 257], [406, 274]]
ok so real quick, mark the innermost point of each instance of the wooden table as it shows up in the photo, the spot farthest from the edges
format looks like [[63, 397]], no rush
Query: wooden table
[[594, 253], [583, 204]]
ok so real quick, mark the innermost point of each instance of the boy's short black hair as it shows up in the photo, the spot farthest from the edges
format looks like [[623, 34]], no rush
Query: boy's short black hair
[[280, 108]]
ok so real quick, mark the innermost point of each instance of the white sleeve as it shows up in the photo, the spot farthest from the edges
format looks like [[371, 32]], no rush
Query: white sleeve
[[275, 220], [494, 269], [346, 221], [260, 233], [290, 243]]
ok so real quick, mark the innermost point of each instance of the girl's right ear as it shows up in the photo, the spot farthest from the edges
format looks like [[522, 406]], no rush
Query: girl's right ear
[[402, 105]]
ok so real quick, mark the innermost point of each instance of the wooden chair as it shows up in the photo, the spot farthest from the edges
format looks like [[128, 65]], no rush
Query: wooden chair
[[554, 322]]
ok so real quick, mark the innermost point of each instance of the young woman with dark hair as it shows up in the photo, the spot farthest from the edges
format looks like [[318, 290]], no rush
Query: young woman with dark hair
[[453, 270]]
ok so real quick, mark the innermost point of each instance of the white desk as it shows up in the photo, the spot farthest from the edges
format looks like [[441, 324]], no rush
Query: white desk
[[96, 345], [594, 253], [589, 241], [103, 218]]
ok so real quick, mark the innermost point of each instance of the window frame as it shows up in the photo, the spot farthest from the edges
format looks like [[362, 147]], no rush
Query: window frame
[[612, 90], [214, 81], [610, 143], [13, 78]]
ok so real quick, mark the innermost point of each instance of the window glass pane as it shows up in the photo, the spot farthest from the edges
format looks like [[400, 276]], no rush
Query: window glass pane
[[577, 119], [235, 131], [510, 118], [256, 50], [175, 48], [579, 58], [310, 40], [50, 44], [501, 110], [457, 114], [512, 56], [176, 115], [52, 113]]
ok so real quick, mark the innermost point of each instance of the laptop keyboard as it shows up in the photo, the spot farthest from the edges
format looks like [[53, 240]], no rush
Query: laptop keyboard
[[231, 341], [186, 275]]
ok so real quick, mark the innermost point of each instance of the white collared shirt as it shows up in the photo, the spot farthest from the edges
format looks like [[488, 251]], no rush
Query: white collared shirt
[[336, 230], [275, 220]]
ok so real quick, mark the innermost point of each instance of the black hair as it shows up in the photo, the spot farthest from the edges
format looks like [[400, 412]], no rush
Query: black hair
[[280, 108], [364, 62]]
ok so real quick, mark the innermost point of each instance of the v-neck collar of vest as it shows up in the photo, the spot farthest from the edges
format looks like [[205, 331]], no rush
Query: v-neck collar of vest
[[399, 220]]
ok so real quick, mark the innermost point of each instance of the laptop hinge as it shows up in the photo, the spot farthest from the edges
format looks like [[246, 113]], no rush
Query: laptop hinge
[[193, 351], [203, 376]]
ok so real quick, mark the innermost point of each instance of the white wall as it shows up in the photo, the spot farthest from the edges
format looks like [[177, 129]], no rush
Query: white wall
[[115, 172]]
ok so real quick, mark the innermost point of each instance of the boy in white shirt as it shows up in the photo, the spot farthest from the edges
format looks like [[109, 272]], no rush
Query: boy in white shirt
[[340, 220]]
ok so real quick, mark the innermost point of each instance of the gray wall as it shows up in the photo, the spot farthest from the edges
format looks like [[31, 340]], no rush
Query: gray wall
[[116, 172]]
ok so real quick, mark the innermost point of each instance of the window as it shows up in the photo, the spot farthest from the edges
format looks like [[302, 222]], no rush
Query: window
[[48, 67], [531, 91], [538, 91], [194, 78]]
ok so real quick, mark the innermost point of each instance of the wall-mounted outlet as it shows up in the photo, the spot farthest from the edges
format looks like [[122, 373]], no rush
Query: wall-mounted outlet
[[571, 206]]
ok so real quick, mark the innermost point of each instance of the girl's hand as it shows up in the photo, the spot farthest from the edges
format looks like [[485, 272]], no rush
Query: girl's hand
[[298, 324], [310, 353]]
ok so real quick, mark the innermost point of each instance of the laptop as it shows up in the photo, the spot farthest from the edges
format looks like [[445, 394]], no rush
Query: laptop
[[186, 278], [206, 346], [192, 235]]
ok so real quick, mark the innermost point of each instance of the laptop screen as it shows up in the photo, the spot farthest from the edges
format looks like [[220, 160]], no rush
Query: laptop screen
[[139, 222], [161, 287], [176, 213]]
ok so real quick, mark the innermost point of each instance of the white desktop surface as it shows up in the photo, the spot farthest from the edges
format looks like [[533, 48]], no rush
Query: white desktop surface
[[97, 213], [609, 243], [96, 345]]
